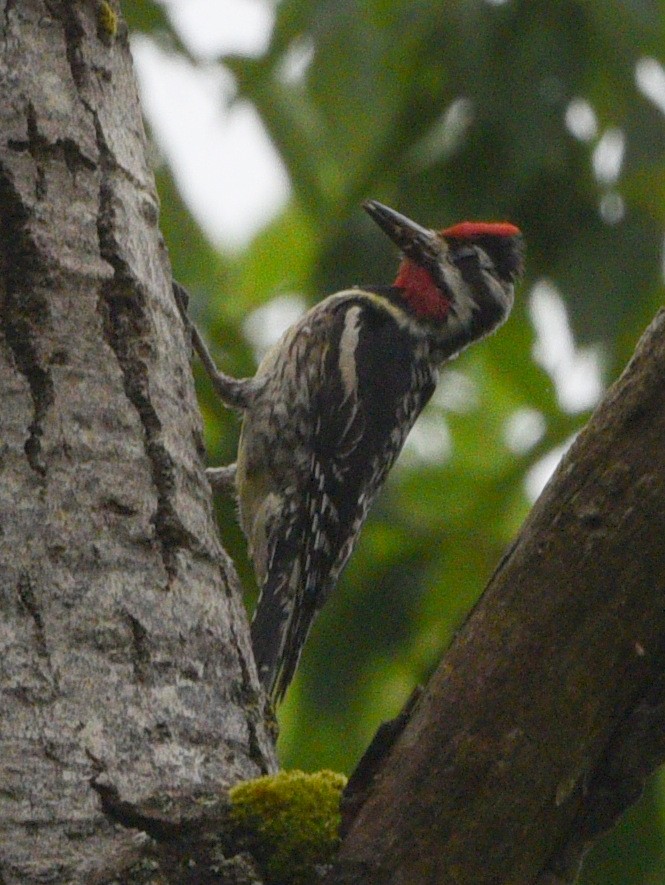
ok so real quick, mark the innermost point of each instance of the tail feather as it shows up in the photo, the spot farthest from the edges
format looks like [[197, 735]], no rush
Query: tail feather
[[269, 629], [296, 638], [282, 620]]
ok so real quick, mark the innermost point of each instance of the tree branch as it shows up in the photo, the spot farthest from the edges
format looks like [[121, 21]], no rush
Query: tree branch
[[545, 716]]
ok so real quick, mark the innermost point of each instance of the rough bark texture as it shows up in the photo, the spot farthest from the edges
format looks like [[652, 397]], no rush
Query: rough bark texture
[[125, 667], [547, 713]]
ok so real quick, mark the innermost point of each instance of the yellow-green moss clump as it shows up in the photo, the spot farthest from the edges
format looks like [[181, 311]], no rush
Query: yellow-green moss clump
[[289, 822], [107, 20]]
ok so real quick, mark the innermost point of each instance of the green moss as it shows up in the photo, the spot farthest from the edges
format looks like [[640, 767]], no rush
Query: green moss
[[289, 822], [107, 21]]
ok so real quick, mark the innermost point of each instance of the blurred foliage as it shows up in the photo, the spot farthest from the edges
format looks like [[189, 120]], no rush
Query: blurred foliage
[[444, 111]]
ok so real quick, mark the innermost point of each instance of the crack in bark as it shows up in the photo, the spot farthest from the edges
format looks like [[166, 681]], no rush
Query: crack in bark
[[29, 603], [23, 310], [64, 11], [41, 150], [128, 815], [128, 331], [140, 649], [125, 320], [118, 508], [27, 598], [194, 844], [9, 6]]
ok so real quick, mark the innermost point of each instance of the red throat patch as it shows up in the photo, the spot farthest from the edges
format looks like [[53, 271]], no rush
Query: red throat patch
[[421, 292]]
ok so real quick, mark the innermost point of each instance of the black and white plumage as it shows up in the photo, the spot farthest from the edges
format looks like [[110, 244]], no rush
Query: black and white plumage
[[345, 424], [331, 405]]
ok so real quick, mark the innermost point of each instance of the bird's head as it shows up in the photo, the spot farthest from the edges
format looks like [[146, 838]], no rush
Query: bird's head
[[459, 280]]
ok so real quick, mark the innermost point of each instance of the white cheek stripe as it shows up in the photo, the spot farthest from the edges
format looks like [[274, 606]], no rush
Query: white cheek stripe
[[464, 302], [348, 345]]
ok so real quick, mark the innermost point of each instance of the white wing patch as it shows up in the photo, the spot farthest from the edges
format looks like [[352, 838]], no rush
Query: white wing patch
[[348, 345]]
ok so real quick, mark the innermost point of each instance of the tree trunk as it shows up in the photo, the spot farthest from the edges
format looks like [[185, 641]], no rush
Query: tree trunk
[[548, 712], [125, 666]]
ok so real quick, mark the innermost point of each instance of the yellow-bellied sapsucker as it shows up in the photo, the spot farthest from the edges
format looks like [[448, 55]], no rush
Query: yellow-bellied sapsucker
[[330, 407]]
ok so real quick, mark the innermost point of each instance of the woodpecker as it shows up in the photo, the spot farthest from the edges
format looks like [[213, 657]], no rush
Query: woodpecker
[[330, 407]]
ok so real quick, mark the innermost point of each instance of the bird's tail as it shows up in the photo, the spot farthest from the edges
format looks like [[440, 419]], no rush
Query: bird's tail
[[282, 620]]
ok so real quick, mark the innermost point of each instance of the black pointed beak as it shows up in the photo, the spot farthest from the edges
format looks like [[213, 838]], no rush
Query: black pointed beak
[[415, 241]]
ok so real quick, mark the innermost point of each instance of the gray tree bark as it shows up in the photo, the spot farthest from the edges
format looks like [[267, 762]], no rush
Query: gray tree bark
[[125, 668]]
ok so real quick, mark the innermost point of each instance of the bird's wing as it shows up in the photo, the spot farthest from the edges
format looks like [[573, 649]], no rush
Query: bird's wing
[[364, 400]]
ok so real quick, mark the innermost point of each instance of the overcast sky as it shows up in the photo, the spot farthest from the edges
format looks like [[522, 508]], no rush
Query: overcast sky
[[228, 171]]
